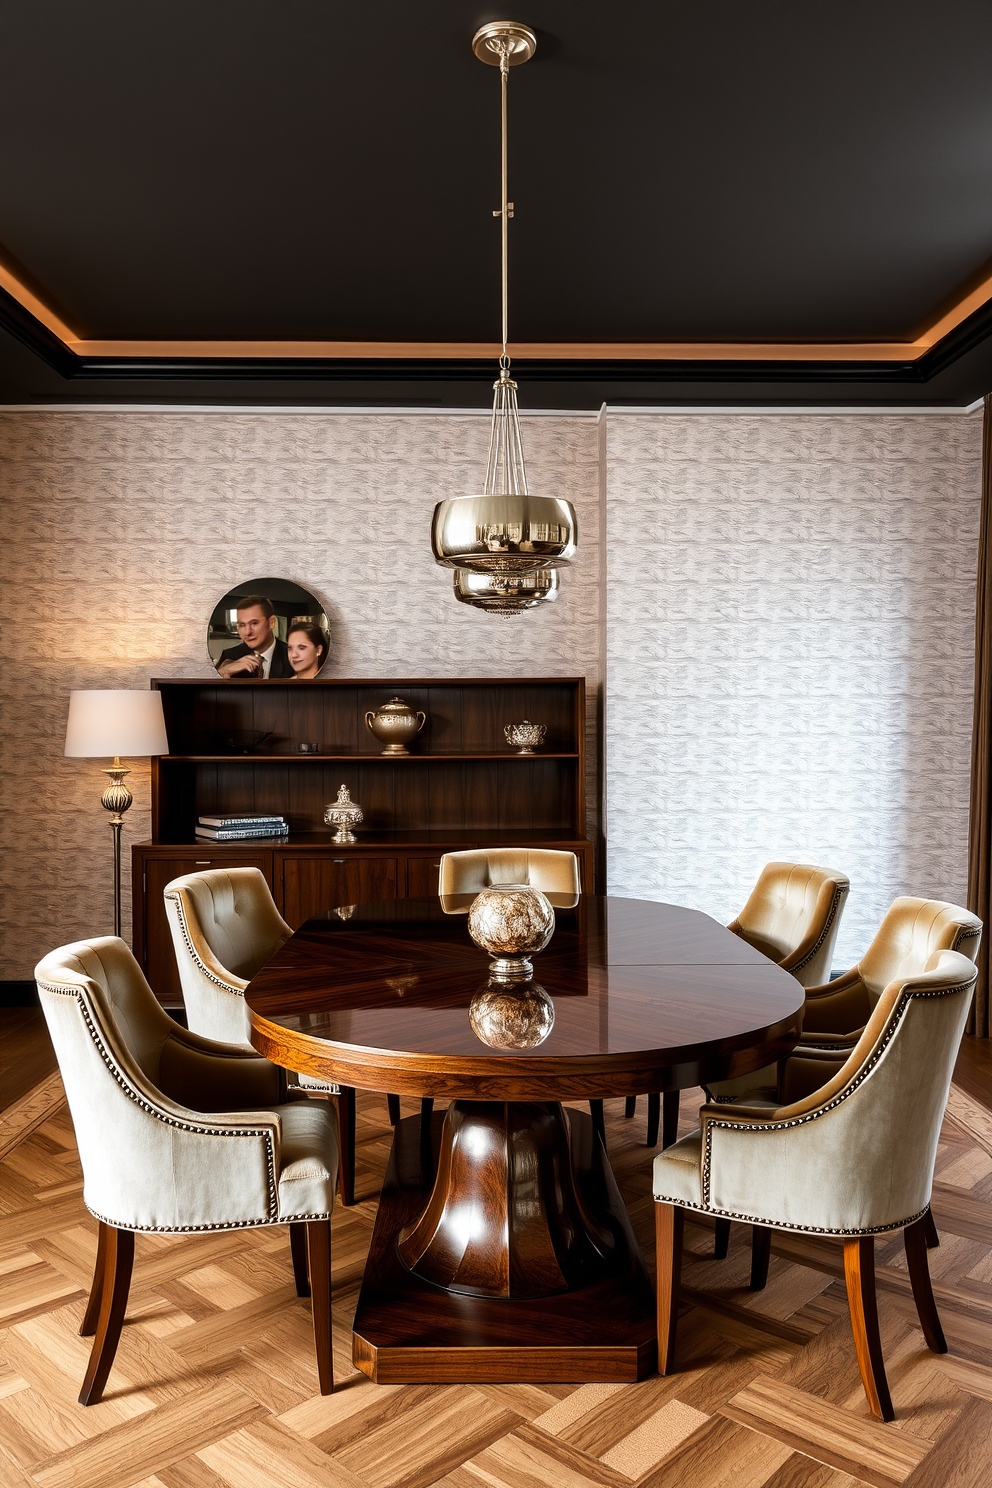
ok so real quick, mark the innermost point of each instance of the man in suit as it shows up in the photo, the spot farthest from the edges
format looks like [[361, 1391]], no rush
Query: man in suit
[[260, 653]]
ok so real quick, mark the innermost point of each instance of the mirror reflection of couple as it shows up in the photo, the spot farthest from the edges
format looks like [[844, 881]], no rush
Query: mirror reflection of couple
[[261, 654]]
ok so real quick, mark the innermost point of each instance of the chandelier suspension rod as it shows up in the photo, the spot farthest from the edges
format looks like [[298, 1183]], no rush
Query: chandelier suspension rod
[[506, 211]]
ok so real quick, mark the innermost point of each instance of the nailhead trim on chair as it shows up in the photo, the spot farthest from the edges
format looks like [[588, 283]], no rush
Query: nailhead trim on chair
[[235, 1224], [199, 1128], [777, 1224], [765, 1126], [225, 986], [839, 893]]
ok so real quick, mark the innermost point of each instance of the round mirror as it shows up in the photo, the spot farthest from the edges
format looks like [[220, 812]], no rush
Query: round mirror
[[268, 628]]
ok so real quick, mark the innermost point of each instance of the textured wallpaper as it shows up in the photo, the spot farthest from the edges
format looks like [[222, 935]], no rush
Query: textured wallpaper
[[790, 613], [121, 530], [789, 603]]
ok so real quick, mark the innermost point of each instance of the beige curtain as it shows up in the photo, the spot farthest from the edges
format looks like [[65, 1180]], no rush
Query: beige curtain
[[980, 832]]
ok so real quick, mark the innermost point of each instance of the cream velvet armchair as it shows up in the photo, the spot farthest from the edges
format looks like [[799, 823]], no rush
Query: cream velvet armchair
[[853, 1158], [543, 868], [179, 1134], [225, 927], [792, 916], [911, 932]]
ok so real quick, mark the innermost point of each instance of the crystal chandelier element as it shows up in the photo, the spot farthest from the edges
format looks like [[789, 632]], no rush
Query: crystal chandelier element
[[501, 595], [506, 532]]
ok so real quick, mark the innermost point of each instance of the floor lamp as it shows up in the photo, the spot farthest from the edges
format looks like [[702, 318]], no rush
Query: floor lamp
[[108, 723]]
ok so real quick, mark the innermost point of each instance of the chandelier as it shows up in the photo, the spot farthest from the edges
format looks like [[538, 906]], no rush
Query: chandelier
[[505, 545]]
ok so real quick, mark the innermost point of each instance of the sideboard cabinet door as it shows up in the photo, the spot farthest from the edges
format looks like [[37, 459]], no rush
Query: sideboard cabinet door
[[423, 876], [159, 958], [312, 885]]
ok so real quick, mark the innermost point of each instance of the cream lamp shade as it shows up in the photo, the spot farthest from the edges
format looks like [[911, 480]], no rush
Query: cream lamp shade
[[114, 722]]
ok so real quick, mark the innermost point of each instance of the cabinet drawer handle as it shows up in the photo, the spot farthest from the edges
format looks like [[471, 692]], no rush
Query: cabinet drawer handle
[[202, 862], [339, 860]]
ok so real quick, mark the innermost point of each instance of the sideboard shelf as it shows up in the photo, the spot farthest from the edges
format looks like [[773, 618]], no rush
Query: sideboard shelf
[[470, 790], [365, 759]]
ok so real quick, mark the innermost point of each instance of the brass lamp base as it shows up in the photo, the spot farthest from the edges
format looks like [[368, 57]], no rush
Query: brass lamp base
[[116, 799]]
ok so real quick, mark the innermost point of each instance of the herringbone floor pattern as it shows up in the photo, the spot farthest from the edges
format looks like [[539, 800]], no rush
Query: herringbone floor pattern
[[215, 1383]]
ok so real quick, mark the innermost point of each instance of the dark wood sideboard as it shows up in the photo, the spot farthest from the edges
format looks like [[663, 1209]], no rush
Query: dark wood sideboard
[[460, 786]]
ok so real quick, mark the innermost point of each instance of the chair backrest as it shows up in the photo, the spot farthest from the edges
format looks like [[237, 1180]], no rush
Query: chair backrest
[[912, 931], [150, 1160], [225, 927], [107, 973], [792, 916], [543, 868], [863, 1146], [108, 1031]]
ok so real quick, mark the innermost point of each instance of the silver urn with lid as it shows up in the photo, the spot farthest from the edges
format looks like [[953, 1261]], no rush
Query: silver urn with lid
[[344, 813]]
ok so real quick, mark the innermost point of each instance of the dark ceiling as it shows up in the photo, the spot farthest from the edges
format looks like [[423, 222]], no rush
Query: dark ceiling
[[743, 170]]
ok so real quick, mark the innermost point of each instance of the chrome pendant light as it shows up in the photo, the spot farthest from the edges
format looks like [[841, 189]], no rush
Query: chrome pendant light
[[499, 595], [496, 539]]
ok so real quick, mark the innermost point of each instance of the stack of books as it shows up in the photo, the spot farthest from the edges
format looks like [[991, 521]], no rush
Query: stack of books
[[240, 828]]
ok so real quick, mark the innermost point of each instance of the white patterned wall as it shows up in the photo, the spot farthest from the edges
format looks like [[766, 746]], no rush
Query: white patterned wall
[[121, 530], [789, 598], [790, 614]]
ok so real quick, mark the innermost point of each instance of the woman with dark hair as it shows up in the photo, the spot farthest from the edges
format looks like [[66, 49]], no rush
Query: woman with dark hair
[[307, 650]]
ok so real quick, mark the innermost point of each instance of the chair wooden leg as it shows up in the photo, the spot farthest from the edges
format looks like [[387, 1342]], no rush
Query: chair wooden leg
[[598, 1119], [933, 1239], [319, 1253], [721, 1239], [298, 1245], [670, 1117], [346, 1148], [915, 1240], [654, 1118], [393, 1104], [761, 1249], [859, 1274], [427, 1109], [118, 1262], [630, 1106], [92, 1314], [668, 1223]]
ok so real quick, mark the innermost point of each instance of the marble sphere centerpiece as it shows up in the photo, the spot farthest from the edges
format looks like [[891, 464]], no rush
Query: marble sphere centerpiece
[[512, 922]]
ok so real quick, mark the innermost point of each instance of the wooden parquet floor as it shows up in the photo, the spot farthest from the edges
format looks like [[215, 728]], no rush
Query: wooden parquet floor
[[215, 1384]]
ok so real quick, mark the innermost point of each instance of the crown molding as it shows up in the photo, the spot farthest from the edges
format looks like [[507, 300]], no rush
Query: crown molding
[[600, 352], [629, 363]]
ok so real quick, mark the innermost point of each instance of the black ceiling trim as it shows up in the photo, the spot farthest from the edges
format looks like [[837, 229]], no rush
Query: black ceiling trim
[[392, 369], [36, 337], [965, 337]]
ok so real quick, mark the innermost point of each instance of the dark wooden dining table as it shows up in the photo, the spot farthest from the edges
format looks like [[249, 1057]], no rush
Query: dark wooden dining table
[[502, 1249]]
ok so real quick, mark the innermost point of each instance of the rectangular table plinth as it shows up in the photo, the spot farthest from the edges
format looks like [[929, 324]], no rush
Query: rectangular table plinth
[[407, 1331]]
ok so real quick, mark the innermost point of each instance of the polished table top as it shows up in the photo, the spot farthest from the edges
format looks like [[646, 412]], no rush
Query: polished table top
[[645, 996]]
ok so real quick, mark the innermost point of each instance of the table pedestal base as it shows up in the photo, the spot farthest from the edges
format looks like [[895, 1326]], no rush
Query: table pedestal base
[[409, 1330], [505, 1219]]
